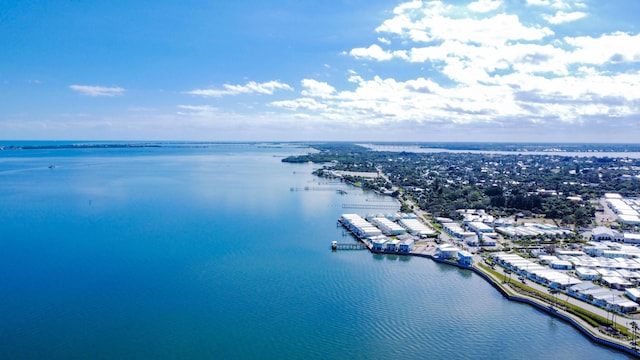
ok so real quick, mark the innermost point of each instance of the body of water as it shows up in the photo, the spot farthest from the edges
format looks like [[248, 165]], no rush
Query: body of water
[[218, 252]]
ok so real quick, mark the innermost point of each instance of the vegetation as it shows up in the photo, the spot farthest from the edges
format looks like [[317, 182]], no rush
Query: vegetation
[[441, 183]]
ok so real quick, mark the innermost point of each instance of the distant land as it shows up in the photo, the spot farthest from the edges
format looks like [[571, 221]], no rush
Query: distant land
[[454, 146]]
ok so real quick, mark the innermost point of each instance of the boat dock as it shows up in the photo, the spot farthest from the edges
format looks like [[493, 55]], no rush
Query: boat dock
[[348, 246]]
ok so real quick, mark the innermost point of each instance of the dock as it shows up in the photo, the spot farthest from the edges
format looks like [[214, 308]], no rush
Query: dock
[[348, 246]]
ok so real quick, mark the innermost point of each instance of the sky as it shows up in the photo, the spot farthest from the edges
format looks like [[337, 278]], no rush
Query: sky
[[320, 70]]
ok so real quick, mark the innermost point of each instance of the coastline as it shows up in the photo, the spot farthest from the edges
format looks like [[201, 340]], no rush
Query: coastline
[[561, 314], [580, 324]]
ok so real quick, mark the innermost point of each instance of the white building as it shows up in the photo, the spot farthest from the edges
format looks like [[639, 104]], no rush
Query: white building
[[447, 251], [417, 228], [388, 227], [632, 293], [602, 233]]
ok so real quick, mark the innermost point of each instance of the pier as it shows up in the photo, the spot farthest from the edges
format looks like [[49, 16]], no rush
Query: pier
[[348, 246], [369, 206]]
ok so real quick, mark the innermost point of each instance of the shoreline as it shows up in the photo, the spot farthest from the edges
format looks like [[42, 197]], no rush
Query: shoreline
[[577, 323], [581, 325]]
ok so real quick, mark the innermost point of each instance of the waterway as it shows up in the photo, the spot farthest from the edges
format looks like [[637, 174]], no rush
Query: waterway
[[217, 251], [433, 150]]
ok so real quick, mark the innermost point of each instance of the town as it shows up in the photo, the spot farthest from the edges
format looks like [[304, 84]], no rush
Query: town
[[566, 227]]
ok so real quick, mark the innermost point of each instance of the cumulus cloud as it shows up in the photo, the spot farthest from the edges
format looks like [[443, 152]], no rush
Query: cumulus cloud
[[89, 90], [561, 17], [482, 67], [252, 87], [317, 88], [484, 5], [372, 52]]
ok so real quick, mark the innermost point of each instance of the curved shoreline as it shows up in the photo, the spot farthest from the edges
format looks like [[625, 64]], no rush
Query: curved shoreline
[[599, 339], [577, 323]]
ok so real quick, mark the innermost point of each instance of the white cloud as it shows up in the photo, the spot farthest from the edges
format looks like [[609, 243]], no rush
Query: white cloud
[[538, 2], [252, 87], [300, 104], [432, 23], [563, 17], [372, 52], [97, 90], [483, 68], [316, 88], [608, 48], [483, 6]]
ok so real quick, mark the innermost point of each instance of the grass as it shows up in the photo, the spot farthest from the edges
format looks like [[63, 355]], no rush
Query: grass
[[591, 318]]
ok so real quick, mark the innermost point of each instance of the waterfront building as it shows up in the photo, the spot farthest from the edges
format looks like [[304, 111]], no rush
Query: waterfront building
[[388, 227], [406, 246], [359, 226], [392, 245], [447, 251], [465, 258], [378, 243]]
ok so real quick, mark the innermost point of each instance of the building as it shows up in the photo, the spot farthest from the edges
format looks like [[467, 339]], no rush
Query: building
[[392, 246], [417, 228], [584, 273], [378, 244], [561, 265], [447, 251], [388, 227], [632, 293], [406, 246], [616, 282], [630, 238], [465, 258], [359, 226], [602, 233]]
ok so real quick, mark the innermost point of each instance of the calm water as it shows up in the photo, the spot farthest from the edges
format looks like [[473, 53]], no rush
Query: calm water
[[208, 253]]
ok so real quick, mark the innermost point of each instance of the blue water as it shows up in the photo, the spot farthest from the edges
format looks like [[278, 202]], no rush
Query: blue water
[[218, 252]]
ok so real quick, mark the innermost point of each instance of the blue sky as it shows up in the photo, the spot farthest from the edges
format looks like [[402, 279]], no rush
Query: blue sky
[[277, 70]]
